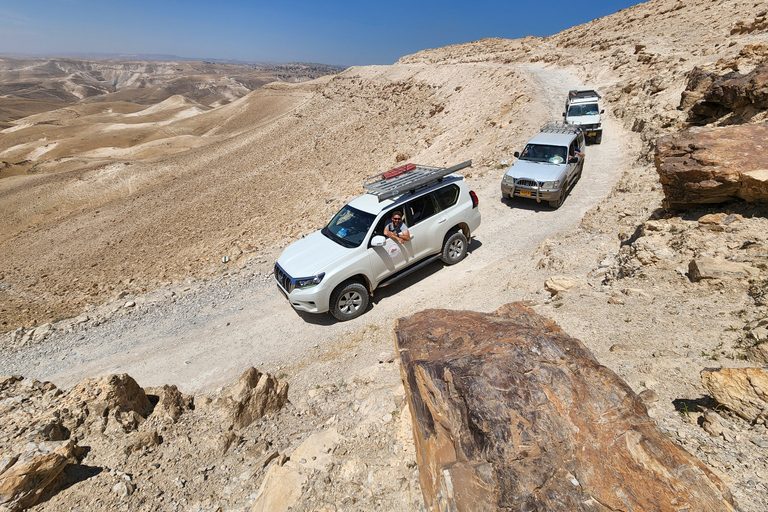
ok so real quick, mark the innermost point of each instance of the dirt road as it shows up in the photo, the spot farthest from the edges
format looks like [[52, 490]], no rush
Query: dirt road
[[198, 335]]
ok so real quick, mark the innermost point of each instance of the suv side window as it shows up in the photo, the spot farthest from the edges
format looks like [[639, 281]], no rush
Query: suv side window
[[385, 219], [420, 208], [447, 196]]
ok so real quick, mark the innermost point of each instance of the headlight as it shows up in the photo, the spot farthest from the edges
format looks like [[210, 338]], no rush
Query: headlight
[[550, 184], [306, 282], [508, 180]]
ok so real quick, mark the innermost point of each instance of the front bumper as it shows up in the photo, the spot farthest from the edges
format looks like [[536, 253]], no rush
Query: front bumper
[[531, 193], [313, 299]]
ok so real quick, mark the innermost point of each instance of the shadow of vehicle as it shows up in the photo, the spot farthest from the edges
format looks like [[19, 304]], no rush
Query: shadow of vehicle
[[411, 279]]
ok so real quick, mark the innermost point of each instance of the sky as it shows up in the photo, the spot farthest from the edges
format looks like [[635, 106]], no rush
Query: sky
[[338, 32]]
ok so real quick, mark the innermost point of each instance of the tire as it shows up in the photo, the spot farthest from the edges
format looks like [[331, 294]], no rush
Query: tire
[[349, 300], [454, 248], [557, 204], [598, 137]]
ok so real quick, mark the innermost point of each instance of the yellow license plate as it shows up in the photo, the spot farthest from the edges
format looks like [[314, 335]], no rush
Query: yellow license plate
[[525, 193], [591, 134]]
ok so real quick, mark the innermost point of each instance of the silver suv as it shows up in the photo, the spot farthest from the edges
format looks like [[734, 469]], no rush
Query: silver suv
[[337, 268], [549, 165]]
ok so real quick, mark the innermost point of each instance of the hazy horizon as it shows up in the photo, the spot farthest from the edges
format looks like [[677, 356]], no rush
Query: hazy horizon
[[341, 32]]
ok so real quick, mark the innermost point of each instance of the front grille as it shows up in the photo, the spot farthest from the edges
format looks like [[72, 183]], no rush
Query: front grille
[[283, 279], [526, 183]]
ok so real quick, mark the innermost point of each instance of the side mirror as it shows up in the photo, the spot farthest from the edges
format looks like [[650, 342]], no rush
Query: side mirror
[[602, 111], [516, 154], [563, 114], [378, 241], [573, 160]]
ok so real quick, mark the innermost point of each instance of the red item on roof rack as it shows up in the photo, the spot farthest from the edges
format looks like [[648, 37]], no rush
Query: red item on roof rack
[[397, 171]]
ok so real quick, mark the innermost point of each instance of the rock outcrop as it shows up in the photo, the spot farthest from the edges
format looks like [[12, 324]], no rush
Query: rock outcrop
[[711, 97], [50, 438], [713, 165], [254, 395], [742, 390], [510, 413]]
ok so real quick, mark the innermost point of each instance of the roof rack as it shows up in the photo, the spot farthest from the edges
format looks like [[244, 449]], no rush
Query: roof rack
[[588, 93], [561, 128], [407, 178]]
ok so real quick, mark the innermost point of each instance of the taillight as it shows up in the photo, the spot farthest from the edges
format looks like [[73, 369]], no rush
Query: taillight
[[475, 200]]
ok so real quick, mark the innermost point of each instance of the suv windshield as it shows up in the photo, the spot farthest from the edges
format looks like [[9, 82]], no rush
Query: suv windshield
[[349, 226], [543, 153], [589, 109]]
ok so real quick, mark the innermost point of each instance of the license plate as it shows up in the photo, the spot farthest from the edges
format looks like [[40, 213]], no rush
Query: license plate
[[525, 193], [591, 134]]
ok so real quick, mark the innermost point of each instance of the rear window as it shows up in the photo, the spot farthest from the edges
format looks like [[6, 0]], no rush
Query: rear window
[[447, 197]]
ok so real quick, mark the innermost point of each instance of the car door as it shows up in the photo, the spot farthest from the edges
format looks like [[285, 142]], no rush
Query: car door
[[429, 220], [390, 258], [572, 167]]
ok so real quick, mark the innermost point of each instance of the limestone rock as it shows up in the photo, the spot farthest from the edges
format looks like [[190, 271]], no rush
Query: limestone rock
[[282, 486], [510, 413], [742, 390], [713, 165], [33, 473], [715, 268], [114, 401], [42, 332], [254, 395], [558, 284], [171, 402]]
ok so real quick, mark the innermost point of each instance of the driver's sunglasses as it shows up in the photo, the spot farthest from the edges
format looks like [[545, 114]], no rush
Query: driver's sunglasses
[[395, 218]]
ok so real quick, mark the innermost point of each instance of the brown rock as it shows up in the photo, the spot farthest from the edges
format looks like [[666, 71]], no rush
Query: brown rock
[[716, 268], [22, 484], [713, 165], [742, 390], [710, 97], [254, 395], [510, 413], [116, 402], [171, 402]]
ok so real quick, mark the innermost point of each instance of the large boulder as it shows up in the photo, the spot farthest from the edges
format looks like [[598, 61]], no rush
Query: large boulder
[[710, 97], [31, 474], [713, 165], [511, 413], [742, 390]]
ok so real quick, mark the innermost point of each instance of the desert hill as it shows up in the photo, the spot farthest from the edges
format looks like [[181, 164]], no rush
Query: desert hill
[[38, 85], [128, 229], [110, 172]]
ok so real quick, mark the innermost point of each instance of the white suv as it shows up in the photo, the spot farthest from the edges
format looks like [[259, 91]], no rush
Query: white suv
[[337, 268], [582, 108]]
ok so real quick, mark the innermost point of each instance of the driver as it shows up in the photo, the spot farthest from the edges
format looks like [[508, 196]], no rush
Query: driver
[[397, 230]]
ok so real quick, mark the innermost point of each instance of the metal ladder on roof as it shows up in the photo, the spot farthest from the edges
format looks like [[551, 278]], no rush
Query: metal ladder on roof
[[407, 178]]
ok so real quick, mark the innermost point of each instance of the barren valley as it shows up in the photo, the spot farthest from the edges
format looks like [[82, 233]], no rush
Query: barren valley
[[140, 239]]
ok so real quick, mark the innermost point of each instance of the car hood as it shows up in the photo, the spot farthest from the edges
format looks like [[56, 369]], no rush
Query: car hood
[[579, 120], [539, 171], [310, 255]]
